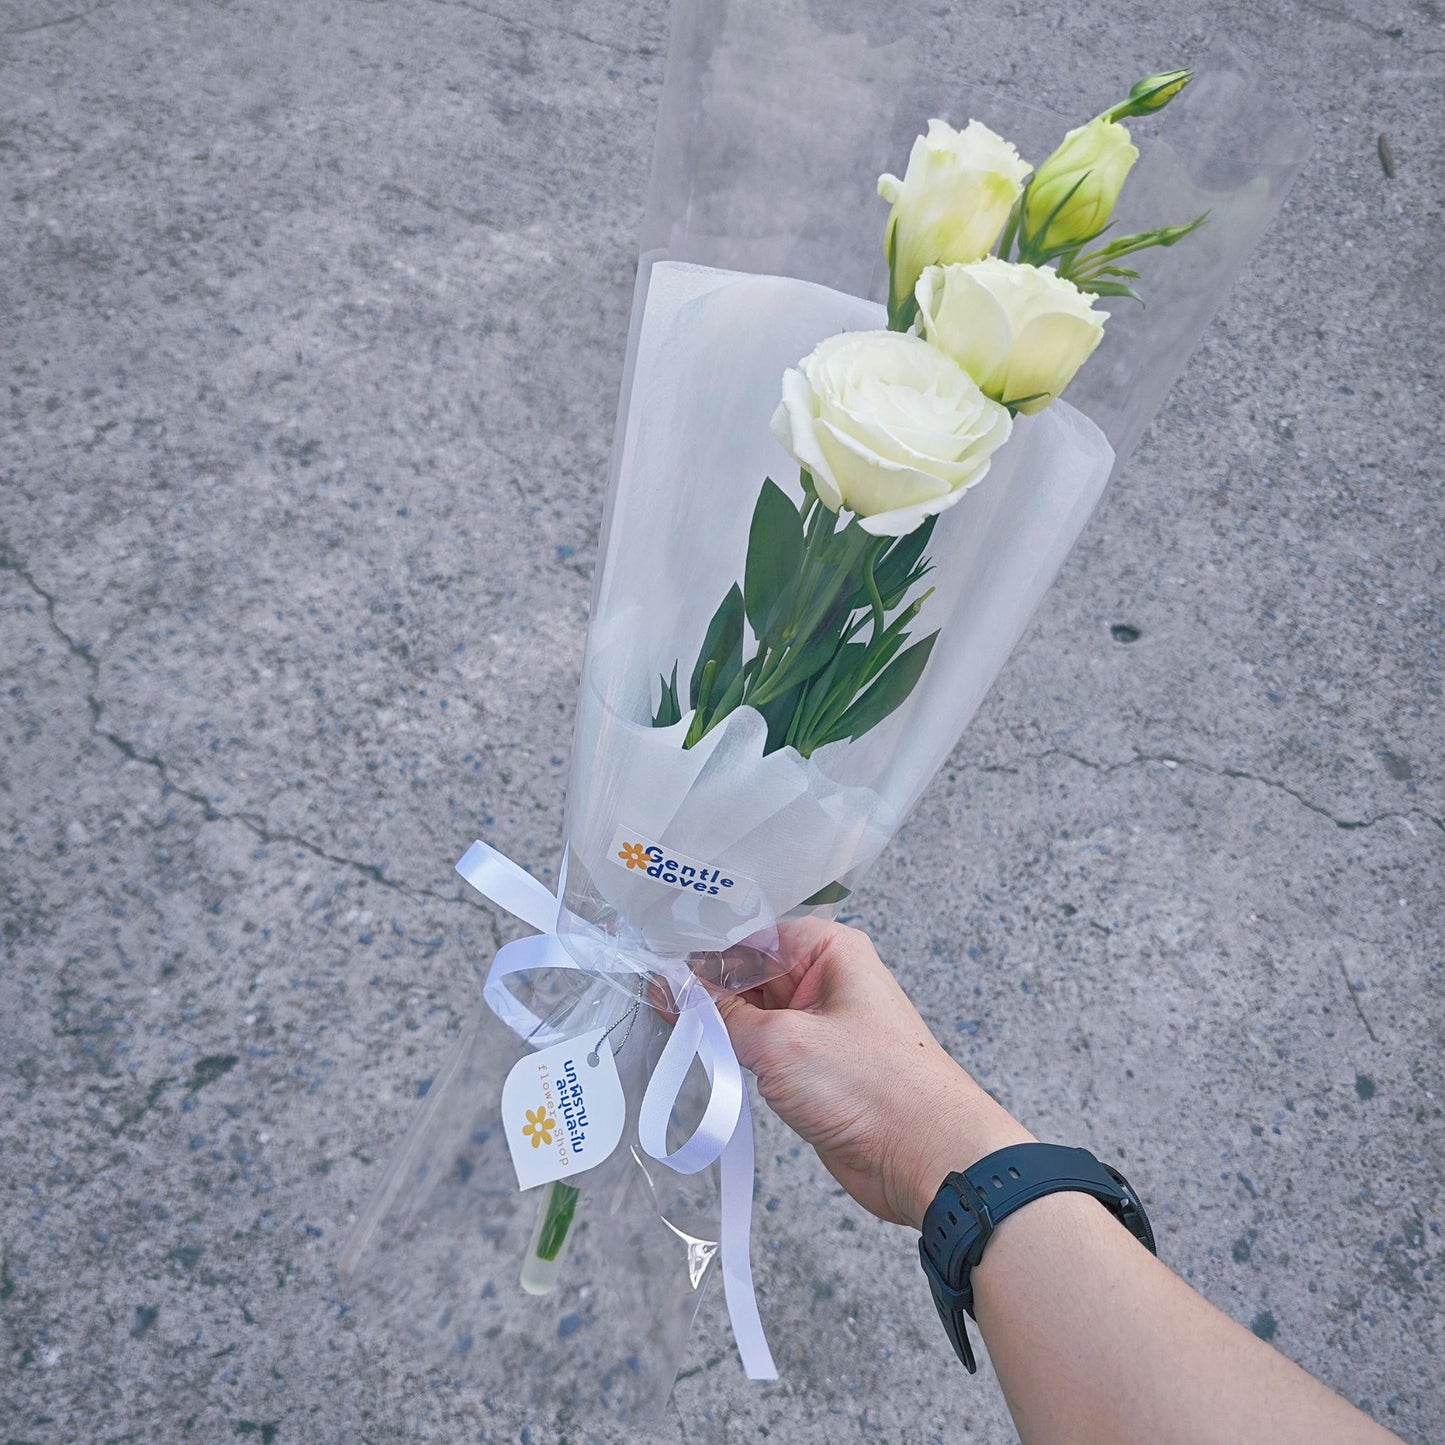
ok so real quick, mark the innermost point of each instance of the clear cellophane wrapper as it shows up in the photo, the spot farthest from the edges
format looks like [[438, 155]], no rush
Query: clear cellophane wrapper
[[762, 238]]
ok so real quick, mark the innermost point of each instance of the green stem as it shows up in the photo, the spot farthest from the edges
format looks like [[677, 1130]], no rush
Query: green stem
[[870, 560], [800, 712], [1005, 242], [840, 555], [561, 1206], [730, 701], [814, 702], [774, 657], [833, 706]]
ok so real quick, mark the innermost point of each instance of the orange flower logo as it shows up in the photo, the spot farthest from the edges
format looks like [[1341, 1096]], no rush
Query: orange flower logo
[[539, 1126], [634, 855]]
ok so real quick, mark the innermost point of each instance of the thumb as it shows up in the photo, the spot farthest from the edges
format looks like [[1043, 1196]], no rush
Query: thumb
[[747, 1025]]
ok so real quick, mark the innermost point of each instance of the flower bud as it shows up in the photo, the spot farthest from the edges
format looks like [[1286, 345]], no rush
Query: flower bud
[[1152, 93], [1074, 192]]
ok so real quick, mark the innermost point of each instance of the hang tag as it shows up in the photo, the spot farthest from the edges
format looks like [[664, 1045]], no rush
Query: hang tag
[[563, 1109]]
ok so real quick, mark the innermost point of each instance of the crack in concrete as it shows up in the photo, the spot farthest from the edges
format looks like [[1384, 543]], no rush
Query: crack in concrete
[[10, 562], [1355, 999], [1237, 774], [1343, 17], [645, 51], [59, 20]]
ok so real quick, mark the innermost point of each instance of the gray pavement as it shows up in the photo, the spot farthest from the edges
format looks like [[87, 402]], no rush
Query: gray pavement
[[311, 322]]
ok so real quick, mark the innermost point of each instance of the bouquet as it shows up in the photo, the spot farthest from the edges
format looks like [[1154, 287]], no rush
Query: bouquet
[[830, 520]]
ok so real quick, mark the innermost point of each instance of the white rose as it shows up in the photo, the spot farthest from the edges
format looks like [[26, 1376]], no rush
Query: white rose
[[1018, 331], [952, 202], [888, 426]]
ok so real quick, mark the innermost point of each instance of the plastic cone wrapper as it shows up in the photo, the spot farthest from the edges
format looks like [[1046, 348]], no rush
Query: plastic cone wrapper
[[729, 770]]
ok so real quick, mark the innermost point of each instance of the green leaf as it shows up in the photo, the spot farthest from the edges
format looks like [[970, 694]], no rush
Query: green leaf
[[775, 556], [1110, 288], [881, 650], [891, 689], [668, 711], [1123, 246], [833, 690], [1035, 247], [828, 893], [1065, 255], [896, 572], [1172, 235], [1041, 236], [812, 657], [778, 714], [723, 644], [855, 665]]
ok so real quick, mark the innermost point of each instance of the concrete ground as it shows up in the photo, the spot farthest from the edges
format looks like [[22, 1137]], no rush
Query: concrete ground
[[301, 479]]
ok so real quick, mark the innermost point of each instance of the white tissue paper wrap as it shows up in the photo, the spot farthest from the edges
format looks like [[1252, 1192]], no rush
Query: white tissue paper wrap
[[707, 364]]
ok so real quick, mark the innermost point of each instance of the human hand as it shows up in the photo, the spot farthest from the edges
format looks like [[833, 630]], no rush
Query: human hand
[[842, 1056]]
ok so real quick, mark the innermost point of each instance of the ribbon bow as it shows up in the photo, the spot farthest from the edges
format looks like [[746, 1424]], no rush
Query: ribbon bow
[[724, 1135]]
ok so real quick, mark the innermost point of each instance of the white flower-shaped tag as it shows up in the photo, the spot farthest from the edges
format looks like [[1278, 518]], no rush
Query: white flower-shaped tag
[[563, 1109]]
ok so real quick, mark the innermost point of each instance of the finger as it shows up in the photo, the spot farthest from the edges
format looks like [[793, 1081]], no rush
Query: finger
[[747, 1026], [843, 970], [776, 992], [802, 940], [799, 946], [659, 996]]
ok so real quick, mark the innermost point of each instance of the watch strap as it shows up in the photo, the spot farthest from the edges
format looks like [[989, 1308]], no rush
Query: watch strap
[[972, 1204]]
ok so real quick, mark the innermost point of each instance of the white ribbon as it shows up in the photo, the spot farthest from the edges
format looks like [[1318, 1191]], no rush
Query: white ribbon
[[724, 1135]]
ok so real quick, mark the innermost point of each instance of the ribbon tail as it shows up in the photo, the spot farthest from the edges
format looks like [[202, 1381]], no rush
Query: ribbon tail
[[736, 1198], [725, 1134]]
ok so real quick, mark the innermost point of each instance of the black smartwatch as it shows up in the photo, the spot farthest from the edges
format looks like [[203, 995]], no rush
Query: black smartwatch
[[971, 1205]]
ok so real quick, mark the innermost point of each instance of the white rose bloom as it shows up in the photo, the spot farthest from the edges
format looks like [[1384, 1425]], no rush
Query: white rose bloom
[[1019, 331], [888, 426], [952, 202]]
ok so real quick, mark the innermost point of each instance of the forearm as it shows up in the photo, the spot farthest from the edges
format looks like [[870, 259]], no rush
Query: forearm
[[1095, 1339]]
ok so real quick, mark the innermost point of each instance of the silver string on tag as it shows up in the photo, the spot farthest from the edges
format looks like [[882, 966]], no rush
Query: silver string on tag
[[629, 1016]]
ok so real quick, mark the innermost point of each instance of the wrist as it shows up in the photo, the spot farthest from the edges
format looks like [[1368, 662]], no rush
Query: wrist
[[969, 1127]]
